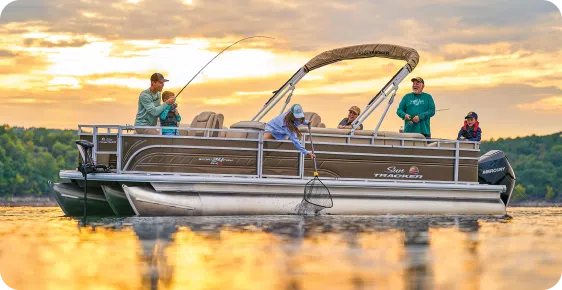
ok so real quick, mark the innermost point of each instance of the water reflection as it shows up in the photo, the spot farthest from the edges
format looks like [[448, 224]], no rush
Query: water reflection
[[40, 249]]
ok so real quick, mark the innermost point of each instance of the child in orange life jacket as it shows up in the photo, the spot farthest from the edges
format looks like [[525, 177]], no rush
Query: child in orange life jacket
[[170, 117], [471, 130]]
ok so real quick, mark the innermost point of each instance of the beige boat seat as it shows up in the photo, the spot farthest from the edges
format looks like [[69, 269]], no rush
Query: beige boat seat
[[245, 125], [222, 134], [314, 119], [205, 120], [364, 137]]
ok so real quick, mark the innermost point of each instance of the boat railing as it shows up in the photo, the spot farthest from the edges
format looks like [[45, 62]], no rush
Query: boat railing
[[103, 136]]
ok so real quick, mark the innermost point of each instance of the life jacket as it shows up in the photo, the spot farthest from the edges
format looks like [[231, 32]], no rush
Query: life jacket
[[170, 121], [464, 128]]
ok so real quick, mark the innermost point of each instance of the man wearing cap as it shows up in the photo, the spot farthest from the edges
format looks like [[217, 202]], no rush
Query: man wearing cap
[[416, 109], [149, 107], [354, 111]]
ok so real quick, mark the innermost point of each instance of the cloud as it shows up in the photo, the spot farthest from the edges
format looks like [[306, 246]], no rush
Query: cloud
[[305, 25], [6, 53], [547, 105], [73, 58], [63, 43]]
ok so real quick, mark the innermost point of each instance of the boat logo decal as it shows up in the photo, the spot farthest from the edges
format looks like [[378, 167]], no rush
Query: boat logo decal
[[107, 140], [395, 172], [215, 160], [414, 170], [493, 170]]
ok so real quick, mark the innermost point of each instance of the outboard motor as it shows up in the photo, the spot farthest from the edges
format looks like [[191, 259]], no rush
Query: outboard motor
[[494, 169], [85, 148]]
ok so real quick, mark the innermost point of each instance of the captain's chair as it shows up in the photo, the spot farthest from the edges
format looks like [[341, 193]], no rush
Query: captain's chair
[[205, 120], [314, 119]]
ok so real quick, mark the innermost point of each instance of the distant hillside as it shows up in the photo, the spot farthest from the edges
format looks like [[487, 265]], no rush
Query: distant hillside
[[537, 161], [31, 157]]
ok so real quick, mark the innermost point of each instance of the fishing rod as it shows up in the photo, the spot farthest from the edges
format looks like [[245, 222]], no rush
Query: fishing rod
[[216, 57]]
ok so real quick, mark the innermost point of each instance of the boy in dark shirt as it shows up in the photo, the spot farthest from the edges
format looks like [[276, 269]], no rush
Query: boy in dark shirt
[[471, 130]]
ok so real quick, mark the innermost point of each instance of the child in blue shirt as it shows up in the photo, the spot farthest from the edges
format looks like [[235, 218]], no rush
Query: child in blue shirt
[[170, 117]]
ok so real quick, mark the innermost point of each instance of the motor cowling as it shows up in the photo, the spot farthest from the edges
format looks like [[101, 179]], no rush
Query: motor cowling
[[494, 168]]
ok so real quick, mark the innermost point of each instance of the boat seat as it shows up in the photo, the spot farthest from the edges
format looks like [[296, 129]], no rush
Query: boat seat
[[222, 134], [205, 120], [359, 137], [314, 119], [246, 125]]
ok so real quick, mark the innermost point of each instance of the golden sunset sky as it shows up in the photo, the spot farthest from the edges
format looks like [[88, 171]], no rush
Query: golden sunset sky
[[70, 62]]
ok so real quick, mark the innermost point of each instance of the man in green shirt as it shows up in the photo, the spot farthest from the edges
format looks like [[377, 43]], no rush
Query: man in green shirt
[[149, 107], [416, 108]]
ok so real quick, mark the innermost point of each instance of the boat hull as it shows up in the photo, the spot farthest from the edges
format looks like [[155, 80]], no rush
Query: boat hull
[[117, 200], [176, 195], [70, 198]]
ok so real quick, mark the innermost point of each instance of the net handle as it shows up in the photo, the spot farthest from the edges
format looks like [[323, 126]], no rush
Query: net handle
[[312, 146]]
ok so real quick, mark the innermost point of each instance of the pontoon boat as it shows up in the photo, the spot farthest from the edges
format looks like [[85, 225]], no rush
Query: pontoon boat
[[213, 170]]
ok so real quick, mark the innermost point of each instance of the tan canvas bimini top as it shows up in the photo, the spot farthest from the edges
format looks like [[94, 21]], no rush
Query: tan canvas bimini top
[[410, 55]]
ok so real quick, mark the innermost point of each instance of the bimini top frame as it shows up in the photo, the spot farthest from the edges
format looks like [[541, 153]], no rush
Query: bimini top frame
[[409, 55]]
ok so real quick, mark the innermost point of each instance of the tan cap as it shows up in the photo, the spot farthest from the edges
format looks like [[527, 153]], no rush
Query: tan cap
[[355, 109], [418, 79]]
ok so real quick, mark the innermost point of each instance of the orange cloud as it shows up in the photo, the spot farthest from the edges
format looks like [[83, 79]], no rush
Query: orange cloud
[[75, 61], [547, 105]]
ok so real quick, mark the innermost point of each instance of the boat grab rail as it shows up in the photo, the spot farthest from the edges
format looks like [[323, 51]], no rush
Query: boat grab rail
[[260, 148]]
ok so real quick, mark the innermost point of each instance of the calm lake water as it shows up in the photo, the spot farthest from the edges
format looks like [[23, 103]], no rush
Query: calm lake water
[[42, 249]]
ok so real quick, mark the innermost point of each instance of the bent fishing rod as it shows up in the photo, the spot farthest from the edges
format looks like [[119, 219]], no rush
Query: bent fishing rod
[[216, 57]]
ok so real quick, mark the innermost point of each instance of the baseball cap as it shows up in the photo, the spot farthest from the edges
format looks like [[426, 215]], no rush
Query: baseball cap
[[157, 77], [355, 109], [297, 111], [471, 115], [418, 79]]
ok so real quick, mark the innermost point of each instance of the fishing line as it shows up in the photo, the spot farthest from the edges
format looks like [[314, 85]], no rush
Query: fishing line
[[216, 57]]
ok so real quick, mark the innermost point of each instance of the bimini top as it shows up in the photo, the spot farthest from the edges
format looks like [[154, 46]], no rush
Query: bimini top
[[410, 55]]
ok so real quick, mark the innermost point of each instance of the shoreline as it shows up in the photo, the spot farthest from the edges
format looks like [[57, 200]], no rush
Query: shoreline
[[34, 201]]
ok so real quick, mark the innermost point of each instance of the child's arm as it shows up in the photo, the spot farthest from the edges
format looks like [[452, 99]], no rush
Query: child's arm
[[460, 134], [165, 113], [478, 136], [178, 116]]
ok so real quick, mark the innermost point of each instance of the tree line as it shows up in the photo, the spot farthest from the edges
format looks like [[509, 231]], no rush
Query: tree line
[[29, 158]]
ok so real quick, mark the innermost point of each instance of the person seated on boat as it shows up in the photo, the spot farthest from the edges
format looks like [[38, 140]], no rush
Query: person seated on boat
[[149, 107], [470, 131], [170, 117], [352, 114], [416, 109], [286, 125]]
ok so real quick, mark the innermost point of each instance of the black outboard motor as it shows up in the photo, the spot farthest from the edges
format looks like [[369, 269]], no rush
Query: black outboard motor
[[494, 168], [85, 148]]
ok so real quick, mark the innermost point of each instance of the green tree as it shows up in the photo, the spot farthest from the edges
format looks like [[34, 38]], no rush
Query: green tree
[[519, 192], [550, 194]]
